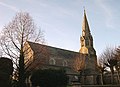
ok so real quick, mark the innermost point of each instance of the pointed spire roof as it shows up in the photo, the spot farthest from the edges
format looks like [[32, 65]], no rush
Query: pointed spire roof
[[85, 25]]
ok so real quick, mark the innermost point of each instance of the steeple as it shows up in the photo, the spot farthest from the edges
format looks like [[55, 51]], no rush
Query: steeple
[[86, 38], [85, 25], [87, 49]]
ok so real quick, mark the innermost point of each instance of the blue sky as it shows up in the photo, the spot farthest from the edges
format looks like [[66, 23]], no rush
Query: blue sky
[[61, 20]]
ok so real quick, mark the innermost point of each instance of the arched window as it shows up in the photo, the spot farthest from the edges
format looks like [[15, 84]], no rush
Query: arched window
[[52, 61], [65, 63]]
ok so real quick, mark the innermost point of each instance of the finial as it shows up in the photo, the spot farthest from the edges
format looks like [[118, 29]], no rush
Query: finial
[[84, 9]]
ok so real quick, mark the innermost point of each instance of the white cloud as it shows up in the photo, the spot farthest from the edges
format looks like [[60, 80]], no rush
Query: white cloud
[[9, 6]]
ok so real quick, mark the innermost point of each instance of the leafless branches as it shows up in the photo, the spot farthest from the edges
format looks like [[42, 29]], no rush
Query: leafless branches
[[78, 63], [107, 59], [14, 36]]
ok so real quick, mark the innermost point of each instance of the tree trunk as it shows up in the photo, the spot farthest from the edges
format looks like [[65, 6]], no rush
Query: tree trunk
[[118, 77], [112, 73], [21, 66], [21, 71], [102, 79]]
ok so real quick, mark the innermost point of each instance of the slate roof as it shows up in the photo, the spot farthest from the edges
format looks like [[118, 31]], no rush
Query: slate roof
[[62, 53]]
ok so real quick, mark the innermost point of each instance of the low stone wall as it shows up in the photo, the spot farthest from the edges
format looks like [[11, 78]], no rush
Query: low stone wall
[[95, 86], [100, 86]]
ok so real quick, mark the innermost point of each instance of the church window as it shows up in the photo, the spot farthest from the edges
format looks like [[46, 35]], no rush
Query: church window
[[52, 61], [87, 42], [65, 63], [82, 42], [83, 33]]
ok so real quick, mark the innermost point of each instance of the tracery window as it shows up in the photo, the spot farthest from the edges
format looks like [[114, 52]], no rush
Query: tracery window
[[65, 63], [52, 61]]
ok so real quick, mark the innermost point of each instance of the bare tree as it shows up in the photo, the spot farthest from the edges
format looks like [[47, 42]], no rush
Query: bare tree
[[108, 55], [79, 62], [13, 38], [101, 67], [117, 57]]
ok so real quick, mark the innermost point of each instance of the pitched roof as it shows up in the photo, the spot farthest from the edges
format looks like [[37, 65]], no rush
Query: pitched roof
[[36, 47]]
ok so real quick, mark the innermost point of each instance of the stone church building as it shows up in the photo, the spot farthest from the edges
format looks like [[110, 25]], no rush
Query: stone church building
[[43, 56]]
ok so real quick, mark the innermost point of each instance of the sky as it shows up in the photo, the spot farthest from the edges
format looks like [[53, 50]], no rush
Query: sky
[[61, 20]]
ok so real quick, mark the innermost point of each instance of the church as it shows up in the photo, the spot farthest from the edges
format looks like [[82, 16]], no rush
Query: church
[[43, 56]]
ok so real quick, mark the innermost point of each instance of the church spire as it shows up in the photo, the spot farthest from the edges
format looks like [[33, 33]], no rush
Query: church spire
[[85, 25], [86, 38], [88, 52]]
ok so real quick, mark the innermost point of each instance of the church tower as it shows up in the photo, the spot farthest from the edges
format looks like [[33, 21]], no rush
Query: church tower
[[86, 38], [87, 49]]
